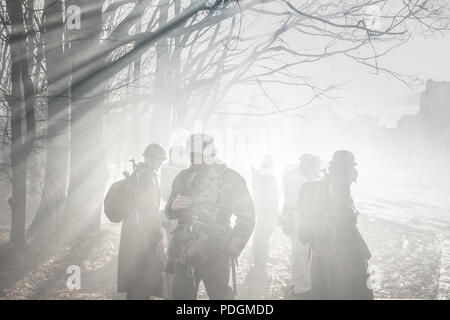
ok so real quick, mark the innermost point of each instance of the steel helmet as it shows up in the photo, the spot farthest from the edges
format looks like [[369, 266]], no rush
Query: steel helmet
[[343, 157], [155, 150]]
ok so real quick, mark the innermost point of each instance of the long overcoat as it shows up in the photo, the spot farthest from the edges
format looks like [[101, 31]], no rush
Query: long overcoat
[[328, 222], [140, 261]]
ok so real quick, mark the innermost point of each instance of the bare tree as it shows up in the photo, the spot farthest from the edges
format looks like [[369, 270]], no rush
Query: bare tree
[[22, 93], [57, 136], [362, 31], [179, 61]]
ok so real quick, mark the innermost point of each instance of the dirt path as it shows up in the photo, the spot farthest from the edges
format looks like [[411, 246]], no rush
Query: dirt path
[[410, 258], [426, 210], [406, 264]]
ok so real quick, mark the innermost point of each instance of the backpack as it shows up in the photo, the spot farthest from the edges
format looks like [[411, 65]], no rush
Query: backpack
[[119, 200], [312, 198]]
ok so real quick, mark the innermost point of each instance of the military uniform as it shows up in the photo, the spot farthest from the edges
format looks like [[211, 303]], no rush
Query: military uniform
[[199, 246], [339, 268], [140, 263]]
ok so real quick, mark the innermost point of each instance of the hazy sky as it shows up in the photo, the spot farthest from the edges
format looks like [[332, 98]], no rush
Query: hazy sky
[[384, 96], [361, 91]]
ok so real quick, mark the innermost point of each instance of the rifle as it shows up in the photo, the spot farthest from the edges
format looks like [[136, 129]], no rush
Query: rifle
[[135, 169]]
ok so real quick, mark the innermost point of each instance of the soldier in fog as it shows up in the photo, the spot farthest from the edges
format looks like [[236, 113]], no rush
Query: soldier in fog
[[307, 171], [329, 223], [203, 199], [266, 198], [140, 264]]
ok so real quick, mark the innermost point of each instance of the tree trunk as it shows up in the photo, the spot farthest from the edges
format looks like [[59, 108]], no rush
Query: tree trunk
[[18, 161], [57, 160], [22, 90], [161, 113], [136, 117], [88, 172]]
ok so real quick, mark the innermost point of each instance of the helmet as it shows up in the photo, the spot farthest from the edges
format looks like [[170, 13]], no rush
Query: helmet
[[155, 150], [343, 157], [309, 163]]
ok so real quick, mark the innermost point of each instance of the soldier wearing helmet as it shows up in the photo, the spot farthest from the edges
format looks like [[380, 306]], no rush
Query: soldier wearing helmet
[[140, 265], [339, 267], [203, 199], [307, 171]]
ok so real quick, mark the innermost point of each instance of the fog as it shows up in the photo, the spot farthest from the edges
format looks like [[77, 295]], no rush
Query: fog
[[85, 88]]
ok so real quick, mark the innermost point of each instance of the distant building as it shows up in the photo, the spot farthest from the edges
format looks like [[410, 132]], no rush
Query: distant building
[[435, 104], [435, 112], [428, 132]]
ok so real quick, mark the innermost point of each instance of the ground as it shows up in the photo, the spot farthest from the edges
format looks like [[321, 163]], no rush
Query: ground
[[407, 230]]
